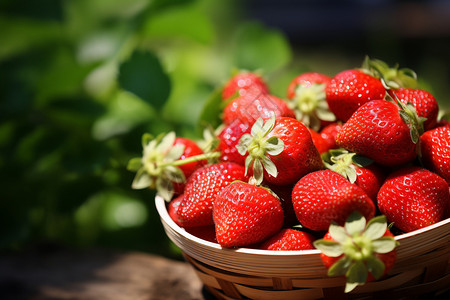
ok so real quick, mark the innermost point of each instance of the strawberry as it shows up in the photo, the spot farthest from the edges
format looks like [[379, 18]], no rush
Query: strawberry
[[289, 239], [165, 164], [284, 193], [435, 150], [190, 149], [201, 190], [424, 102], [350, 89], [207, 233], [307, 95], [321, 144], [413, 197], [325, 196], [382, 132], [172, 209], [279, 144], [245, 214], [361, 251], [329, 133], [247, 109], [242, 83], [228, 139], [358, 170]]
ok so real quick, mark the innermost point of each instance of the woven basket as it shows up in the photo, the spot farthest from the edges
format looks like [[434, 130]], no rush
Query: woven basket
[[422, 268]]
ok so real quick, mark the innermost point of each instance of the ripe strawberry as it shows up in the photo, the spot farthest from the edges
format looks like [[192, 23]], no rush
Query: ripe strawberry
[[165, 164], [280, 151], [361, 252], [172, 209], [321, 144], [289, 239], [435, 150], [247, 109], [413, 198], [207, 233], [424, 102], [284, 193], [242, 83], [201, 190], [358, 170], [307, 95], [190, 149], [329, 133], [228, 139], [245, 214], [379, 131], [349, 90], [325, 196]]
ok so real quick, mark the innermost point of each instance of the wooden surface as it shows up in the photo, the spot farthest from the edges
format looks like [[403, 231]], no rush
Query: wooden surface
[[96, 274]]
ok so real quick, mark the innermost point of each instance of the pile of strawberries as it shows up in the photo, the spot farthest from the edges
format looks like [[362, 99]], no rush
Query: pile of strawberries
[[341, 164]]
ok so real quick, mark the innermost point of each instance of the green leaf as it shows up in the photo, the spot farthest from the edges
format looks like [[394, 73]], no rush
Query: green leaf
[[350, 173], [174, 174], [355, 224], [340, 267], [142, 180], [269, 166], [329, 248], [258, 47], [166, 143], [257, 127], [376, 227], [143, 75], [356, 275], [164, 187], [384, 244], [274, 145], [134, 164], [212, 110], [338, 233], [361, 161], [248, 163], [375, 266], [244, 142], [258, 171]]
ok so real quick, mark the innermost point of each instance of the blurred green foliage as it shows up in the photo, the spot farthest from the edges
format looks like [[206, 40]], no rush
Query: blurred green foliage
[[80, 82]]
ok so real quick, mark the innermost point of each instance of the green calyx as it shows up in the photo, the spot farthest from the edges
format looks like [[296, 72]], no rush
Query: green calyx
[[310, 105], [259, 146], [409, 115], [357, 242], [344, 162], [158, 168], [392, 78]]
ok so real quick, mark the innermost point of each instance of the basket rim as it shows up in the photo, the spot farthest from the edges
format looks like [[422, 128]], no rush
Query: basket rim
[[162, 211]]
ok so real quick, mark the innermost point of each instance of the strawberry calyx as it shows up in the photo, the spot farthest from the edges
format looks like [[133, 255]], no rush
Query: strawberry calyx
[[158, 168], [259, 145], [356, 243], [409, 115], [343, 162], [310, 105], [392, 78]]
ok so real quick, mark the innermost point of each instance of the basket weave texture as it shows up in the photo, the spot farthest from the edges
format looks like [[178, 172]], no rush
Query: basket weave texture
[[422, 268]]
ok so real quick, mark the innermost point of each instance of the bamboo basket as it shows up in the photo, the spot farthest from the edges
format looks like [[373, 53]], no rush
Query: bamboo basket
[[422, 268]]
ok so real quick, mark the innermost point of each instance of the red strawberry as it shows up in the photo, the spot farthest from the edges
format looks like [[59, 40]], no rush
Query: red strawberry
[[243, 83], [358, 170], [284, 193], [245, 214], [207, 233], [247, 109], [172, 209], [228, 139], [201, 190], [307, 95], [379, 131], [318, 140], [325, 196], [289, 239], [424, 102], [361, 252], [280, 151], [349, 90], [190, 149], [435, 150], [413, 198], [329, 133]]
